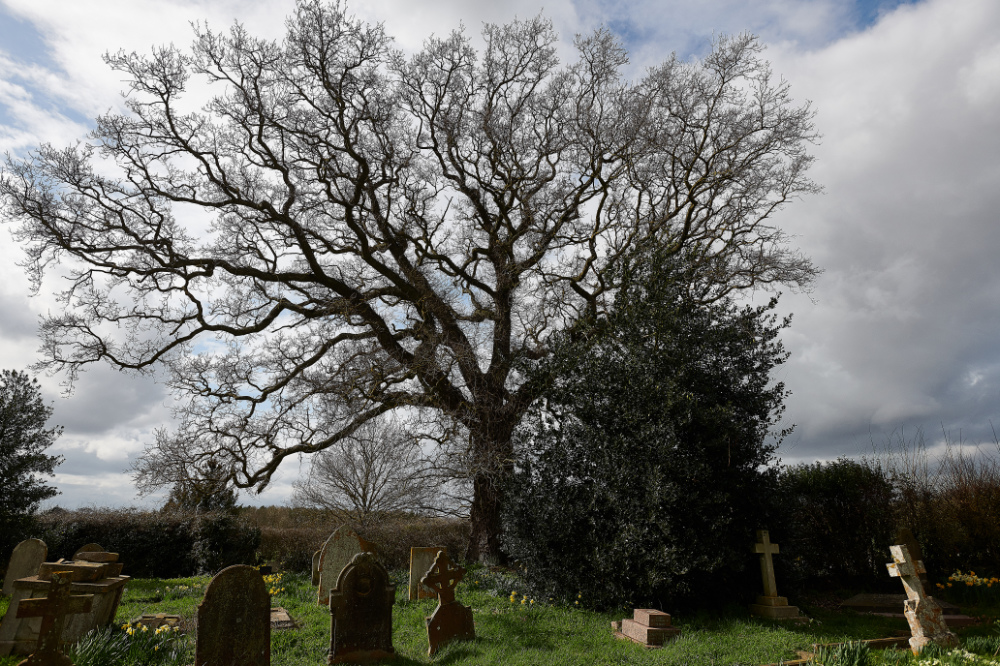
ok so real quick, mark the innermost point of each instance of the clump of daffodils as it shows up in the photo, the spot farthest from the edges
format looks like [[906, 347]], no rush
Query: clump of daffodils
[[273, 582], [971, 579]]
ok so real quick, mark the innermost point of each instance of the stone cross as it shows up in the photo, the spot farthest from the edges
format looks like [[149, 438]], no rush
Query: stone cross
[[450, 620], [922, 612], [53, 611], [766, 549]]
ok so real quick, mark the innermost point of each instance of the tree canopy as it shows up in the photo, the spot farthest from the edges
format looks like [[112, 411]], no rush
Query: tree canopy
[[344, 230]]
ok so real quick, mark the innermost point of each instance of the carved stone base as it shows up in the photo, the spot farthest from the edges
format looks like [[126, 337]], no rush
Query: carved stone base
[[774, 608]]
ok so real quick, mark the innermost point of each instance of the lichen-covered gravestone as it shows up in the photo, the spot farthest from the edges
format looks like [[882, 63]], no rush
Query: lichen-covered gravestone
[[361, 612], [338, 550], [770, 605], [421, 559], [24, 561], [450, 620], [234, 620], [921, 611]]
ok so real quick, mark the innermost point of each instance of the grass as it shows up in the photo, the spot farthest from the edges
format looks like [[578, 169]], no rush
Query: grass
[[507, 632]]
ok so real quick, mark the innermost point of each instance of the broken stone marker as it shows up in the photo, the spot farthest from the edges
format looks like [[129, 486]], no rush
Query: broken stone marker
[[361, 612], [24, 561], [88, 548], [234, 620], [904, 537], [421, 559], [450, 620], [770, 605], [53, 611], [647, 627], [335, 554], [921, 611]]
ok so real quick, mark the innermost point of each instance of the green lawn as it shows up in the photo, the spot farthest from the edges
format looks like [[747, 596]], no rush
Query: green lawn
[[512, 633]]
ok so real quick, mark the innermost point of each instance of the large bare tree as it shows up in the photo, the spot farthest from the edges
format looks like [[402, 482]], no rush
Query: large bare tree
[[345, 231]]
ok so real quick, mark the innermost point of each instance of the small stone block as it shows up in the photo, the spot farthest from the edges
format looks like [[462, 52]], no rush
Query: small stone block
[[616, 625], [772, 601], [648, 635], [651, 618], [97, 557], [775, 612]]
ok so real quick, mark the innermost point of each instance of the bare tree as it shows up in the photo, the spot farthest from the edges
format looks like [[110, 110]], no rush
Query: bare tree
[[394, 232], [379, 469]]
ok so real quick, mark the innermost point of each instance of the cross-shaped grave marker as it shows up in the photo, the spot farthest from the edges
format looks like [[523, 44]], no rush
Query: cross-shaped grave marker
[[770, 605], [922, 612], [53, 611], [450, 620]]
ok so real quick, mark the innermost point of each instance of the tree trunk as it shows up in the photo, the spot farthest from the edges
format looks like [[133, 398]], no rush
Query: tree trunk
[[487, 501]]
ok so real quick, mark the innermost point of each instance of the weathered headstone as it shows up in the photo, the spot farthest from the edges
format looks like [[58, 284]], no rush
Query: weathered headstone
[[234, 620], [450, 620], [361, 612], [421, 559], [770, 605], [904, 537], [315, 567], [338, 550], [921, 611], [88, 548], [53, 611], [103, 580], [648, 627], [24, 561]]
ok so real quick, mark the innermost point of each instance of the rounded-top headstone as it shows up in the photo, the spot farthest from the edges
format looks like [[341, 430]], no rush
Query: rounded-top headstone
[[24, 562], [234, 620], [336, 554]]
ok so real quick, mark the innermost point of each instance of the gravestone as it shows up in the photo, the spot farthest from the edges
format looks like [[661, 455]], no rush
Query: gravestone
[[648, 627], [103, 580], [53, 610], [24, 561], [234, 620], [335, 554], [88, 548], [770, 605], [421, 559], [315, 567], [921, 611], [450, 620], [904, 537], [361, 612]]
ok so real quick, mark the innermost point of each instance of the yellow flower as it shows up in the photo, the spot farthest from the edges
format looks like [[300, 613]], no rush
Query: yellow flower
[[523, 600], [949, 584]]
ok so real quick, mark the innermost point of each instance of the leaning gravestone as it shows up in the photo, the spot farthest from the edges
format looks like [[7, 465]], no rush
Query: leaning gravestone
[[336, 553], [361, 612], [450, 620], [770, 605], [24, 561], [53, 610], [234, 620], [922, 613], [421, 559], [904, 537]]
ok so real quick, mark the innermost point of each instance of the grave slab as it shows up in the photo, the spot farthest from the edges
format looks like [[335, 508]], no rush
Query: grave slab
[[647, 626], [281, 620], [24, 561]]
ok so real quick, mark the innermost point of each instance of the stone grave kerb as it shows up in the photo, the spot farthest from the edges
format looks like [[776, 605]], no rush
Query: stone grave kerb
[[53, 610], [766, 549]]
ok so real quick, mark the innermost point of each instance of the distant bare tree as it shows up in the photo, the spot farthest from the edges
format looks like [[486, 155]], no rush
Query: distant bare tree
[[377, 470]]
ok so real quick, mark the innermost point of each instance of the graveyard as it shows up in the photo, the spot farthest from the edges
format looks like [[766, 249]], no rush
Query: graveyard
[[441, 611]]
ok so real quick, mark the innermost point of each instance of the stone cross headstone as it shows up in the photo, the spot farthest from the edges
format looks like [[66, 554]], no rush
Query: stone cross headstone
[[921, 611], [361, 612], [335, 554], [770, 605], [234, 620], [315, 568], [53, 611], [904, 537], [450, 620], [421, 559], [24, 561]]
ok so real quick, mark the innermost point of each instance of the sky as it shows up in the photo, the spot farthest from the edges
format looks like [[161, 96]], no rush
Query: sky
[[899, 335]]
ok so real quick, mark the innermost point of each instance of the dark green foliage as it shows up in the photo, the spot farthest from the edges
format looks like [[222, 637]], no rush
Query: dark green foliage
[[839, 523], [23, 440], [643, 473], [207, 490], [156, 544]]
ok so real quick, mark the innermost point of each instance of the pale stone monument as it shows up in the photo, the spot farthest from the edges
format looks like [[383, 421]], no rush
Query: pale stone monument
[[647, 626], [234, 620], [315, 567], [335, 554], [770, 605], [361, 612], [421, 559], [921, 611], [450, 620], [24, 561]]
